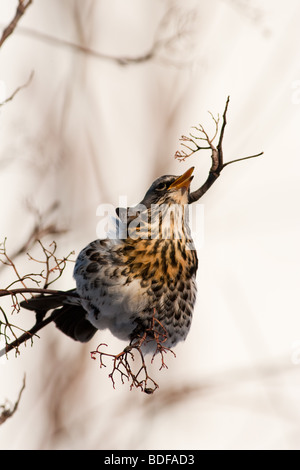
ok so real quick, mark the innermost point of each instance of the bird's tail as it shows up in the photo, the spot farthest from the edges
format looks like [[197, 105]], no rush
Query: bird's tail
[[69, 316]]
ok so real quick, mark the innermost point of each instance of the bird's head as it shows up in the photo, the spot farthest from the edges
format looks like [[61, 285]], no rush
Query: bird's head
[[169, 189], [166, 192]]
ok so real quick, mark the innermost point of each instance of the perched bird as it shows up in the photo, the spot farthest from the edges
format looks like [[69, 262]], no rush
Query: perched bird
[[139, 282]]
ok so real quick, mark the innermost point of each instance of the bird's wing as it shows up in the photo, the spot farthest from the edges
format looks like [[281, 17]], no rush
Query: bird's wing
[[103, 278]]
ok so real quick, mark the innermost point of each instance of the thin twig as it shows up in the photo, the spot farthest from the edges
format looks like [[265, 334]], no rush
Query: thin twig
[[243, 158], [123, 361], [53, 269], [28, 335], [8, 412], [217, 156], [11, 97], [159, 43], [40, 229], [22, 7]]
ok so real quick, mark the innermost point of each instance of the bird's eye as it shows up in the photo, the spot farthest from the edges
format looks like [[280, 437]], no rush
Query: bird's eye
[[161, 186]]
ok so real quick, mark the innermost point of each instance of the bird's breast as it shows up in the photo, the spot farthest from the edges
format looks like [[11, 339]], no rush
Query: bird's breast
[[157, 259]]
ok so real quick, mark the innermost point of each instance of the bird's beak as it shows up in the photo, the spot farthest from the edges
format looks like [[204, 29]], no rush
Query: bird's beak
[[183, 180]]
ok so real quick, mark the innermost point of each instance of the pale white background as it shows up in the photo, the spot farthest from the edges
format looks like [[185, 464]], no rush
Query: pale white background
[[86, 131]]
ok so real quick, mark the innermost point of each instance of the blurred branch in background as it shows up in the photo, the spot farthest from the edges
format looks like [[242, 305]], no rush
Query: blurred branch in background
[[11, 97], [22, 7], [217, 391], [251, 11], [165, 42], [8, 410], [42, 227], [224, 380]]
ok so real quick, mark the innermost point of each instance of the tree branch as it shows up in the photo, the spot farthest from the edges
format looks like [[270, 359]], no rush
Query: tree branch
[[123, 361], [53, 269], [161, 42], [217, 156], [30, 290], [28, 334], [8, 412], [22, 7], [11, 97]]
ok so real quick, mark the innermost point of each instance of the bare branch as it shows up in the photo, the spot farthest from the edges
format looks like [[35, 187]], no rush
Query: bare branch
[[11, 97], [30, 290], [41, 228], [53, 265], [7, 411], [123, 362], [125, 60], [7, 261], [53, 269], [22, 7], [217, 156], [28, 335], [161, 42], [243, 158]]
